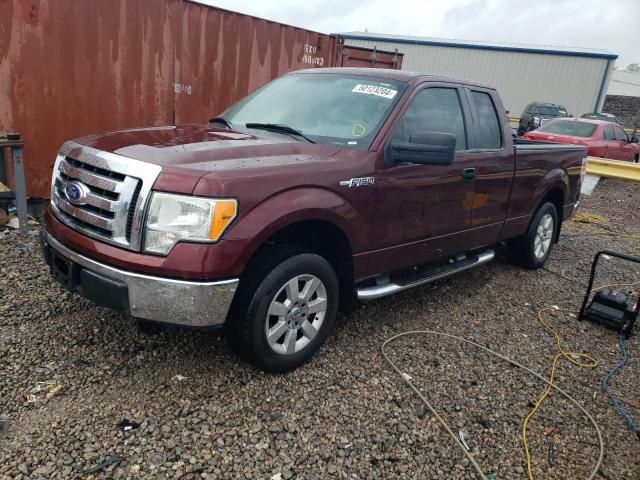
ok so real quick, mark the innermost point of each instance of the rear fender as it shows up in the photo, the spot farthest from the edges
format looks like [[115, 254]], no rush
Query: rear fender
[[556, 178]]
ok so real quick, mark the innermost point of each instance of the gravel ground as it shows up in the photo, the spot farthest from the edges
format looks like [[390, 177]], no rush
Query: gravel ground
[[204, 414]]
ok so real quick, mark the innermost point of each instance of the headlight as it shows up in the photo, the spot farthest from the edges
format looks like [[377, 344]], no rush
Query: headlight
[[536, 120], [173, 218]]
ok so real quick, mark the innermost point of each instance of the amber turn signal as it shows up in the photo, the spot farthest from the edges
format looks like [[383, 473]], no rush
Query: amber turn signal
[[224, 212]]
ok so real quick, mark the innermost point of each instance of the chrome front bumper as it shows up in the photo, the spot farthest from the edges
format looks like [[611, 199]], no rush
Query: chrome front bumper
[[180, 302]]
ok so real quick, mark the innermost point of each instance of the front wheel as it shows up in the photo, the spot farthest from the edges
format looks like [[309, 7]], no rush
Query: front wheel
[[533, 248], [285, 311]]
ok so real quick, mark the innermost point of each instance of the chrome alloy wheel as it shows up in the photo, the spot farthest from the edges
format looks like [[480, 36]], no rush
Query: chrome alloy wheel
[[544, 236], [296, 314]]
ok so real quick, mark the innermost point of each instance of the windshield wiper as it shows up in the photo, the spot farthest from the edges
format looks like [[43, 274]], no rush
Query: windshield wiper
[[278, 127], [221, 120]]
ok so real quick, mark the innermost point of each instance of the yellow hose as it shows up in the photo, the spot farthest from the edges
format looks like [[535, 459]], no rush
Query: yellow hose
[[573, 357], [456, 440]]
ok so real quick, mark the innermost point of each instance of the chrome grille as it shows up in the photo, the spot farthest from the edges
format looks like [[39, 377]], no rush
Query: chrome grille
[[112, 193]]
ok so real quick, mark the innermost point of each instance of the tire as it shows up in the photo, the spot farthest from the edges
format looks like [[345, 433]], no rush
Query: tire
[[532, 249], [273, 327]]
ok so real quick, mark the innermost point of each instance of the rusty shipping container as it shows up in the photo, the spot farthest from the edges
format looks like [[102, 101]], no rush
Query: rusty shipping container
[[70, 68], [350, 56], [221, 56]]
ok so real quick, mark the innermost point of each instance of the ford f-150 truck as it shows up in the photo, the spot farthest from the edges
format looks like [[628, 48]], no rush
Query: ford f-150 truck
[[320, 188]]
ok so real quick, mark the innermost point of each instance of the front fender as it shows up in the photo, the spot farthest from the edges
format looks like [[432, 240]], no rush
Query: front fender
[[296, 205]]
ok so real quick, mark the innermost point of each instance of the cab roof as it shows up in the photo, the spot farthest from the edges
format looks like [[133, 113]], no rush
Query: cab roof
[[397, 75]]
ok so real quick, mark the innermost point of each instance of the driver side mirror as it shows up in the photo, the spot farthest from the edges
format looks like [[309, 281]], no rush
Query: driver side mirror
[[424, 148]]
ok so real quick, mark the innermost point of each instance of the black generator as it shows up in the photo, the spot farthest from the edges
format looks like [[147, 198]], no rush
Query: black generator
[[611, 308]]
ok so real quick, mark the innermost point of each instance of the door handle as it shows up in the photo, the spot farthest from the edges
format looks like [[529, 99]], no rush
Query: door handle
[[468, 174]]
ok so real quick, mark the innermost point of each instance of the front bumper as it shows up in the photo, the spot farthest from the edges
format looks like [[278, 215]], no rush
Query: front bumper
[[167, 300]]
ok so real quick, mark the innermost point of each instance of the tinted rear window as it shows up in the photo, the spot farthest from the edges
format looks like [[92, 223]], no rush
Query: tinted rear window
[[489, 124], [569, 127]]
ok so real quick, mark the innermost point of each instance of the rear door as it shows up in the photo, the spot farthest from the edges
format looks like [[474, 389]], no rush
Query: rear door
[[610, 143], [494, 162], [423, 211]]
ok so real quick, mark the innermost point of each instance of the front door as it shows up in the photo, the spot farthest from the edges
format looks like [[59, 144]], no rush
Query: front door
[[423, 211], [626, 150]]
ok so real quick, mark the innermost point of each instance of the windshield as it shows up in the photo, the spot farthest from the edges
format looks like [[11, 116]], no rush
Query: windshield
[[569, 127], [328, 108], [551, 111], [600, 116]]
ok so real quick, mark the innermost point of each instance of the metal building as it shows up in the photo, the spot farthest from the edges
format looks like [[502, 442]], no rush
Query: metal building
[[574, 77]]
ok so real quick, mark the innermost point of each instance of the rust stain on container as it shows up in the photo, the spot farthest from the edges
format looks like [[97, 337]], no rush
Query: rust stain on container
[[70, 68], [221, 56]]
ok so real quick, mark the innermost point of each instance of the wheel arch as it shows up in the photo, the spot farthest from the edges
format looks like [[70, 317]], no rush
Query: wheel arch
[[555, 195], [320, 236]]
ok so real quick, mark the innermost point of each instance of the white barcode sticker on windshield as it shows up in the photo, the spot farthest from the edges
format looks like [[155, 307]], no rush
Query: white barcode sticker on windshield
[[375, 90]]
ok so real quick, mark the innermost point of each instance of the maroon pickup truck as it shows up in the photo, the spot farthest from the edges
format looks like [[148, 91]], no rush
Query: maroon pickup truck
[[322, 187]]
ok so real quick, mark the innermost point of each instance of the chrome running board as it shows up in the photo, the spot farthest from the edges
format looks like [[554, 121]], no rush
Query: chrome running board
[[430, 275]]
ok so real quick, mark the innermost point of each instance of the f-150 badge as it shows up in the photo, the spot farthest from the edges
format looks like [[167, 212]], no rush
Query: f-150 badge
[[357, 182]]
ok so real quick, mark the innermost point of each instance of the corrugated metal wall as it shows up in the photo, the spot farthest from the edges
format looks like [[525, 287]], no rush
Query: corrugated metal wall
[[221, 56], [70, 68], [519, 77]]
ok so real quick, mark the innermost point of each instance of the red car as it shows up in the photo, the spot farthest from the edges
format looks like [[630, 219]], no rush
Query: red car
[[602, 139]]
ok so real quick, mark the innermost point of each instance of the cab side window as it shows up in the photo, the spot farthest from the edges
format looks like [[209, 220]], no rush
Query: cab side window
[[621, 134], [488, 123], [433, 110], [608, 133]]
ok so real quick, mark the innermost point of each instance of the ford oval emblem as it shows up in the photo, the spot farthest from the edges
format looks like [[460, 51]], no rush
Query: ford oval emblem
[[76, 192]]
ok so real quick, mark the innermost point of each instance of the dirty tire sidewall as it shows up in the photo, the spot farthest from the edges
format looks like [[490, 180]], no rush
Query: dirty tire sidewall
[[258, 348]]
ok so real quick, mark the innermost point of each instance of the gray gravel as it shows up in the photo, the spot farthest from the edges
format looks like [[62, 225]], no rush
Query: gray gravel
[[205, 414]]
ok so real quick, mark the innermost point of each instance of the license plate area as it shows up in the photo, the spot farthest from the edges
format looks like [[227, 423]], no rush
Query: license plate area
[[63, 270]]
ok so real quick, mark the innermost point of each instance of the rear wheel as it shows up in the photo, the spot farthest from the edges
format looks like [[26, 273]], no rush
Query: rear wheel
[[533, 248], [286, 309]]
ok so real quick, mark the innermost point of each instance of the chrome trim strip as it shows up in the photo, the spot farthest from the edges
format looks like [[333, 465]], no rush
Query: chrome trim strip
[[180, 302], [136, 173], [84, 215], [379, 291], [93, 179]]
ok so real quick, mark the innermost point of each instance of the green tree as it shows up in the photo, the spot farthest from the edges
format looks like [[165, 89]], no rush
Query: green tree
[[633, 68]]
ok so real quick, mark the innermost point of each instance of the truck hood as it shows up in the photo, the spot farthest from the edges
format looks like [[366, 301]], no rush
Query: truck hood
[[186, 153]]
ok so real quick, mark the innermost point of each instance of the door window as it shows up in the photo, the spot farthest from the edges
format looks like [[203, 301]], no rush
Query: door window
[[488, 124], [621, 134], [433, 110], [608, 133]]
